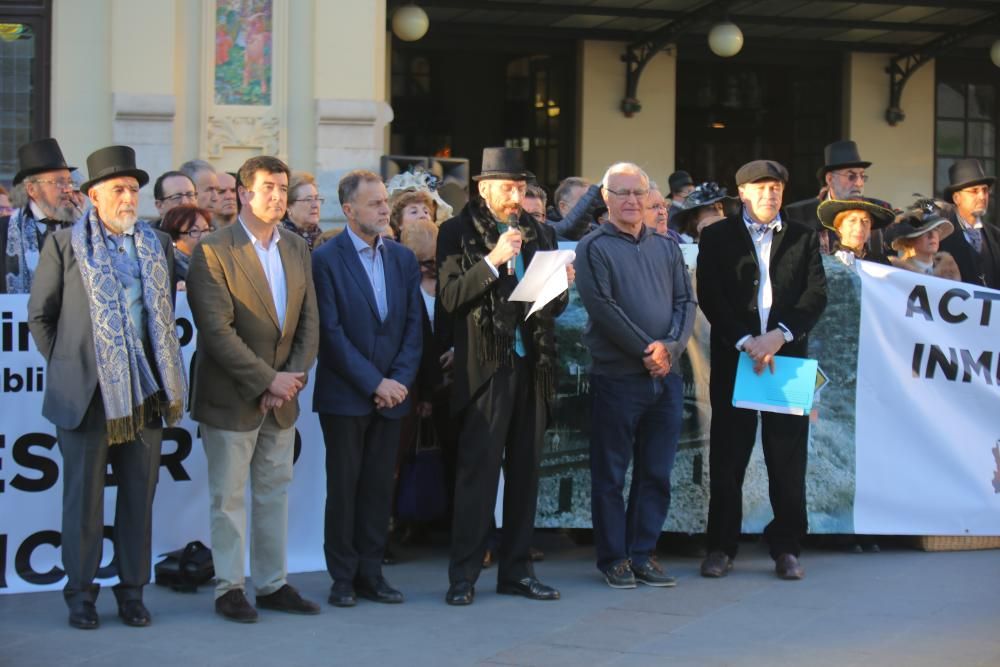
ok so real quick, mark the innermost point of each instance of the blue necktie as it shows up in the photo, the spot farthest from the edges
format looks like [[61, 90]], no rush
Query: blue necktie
[[975, 238], [519, 272]]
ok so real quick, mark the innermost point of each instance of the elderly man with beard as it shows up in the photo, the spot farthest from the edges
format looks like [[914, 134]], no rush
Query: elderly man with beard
[[101, 313], [251, 292], [505, 374], [370, 310], [46, 180]]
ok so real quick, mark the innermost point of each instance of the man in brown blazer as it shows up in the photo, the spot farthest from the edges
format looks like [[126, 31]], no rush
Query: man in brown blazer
[[251, 293]]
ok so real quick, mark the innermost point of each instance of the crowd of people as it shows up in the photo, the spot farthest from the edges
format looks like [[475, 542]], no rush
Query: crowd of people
[[407, 316]]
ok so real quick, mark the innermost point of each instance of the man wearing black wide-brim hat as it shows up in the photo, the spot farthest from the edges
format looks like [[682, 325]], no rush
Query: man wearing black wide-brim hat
[[45, 178], [975, 245], [101, 313], [505, 373]]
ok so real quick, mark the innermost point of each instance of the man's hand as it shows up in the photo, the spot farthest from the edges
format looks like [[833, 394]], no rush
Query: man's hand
[[656, 359], [447, 360], [508, 245], [285, 385], [389, 394], [269, 401], [570, 273], [763, 348]]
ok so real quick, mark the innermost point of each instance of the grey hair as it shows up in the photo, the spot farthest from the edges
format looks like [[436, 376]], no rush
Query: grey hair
[[654, 186], [192, 168], [624, 168], [18, 195]]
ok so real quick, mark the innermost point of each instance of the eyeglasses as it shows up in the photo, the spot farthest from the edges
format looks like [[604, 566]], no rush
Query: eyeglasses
[[312, 200], [181, 196], [977, 190], [658, 207], [61, 184], [198, 233], [625, 194], [7, 210], [853, 176]]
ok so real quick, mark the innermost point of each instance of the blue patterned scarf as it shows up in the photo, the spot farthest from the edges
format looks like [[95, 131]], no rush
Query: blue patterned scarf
[[130, 390], [21, 253]]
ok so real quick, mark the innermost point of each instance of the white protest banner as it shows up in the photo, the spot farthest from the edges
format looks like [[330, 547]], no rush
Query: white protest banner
[[928, 406]]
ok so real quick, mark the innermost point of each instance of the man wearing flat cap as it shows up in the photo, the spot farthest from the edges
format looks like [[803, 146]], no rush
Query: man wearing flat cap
[[842, 177], [505, 373], [45, 178], [101, 313], [976, 243], [762, 288]]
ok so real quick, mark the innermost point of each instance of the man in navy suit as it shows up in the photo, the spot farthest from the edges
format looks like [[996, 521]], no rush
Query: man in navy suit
[[368, 292]]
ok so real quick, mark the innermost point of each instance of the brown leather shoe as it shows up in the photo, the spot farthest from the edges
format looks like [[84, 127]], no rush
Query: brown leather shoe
[[787, 566], [488, 559], [716, 564], [287, 599], [235, 607]]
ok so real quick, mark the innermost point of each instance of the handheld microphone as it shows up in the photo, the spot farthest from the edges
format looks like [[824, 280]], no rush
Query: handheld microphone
[[512, 224]]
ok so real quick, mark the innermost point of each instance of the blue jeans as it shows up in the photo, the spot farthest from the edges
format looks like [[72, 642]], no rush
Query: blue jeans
[[634, 416]]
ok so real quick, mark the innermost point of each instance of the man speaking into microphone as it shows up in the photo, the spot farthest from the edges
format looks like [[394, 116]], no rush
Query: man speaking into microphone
[[505, 374]]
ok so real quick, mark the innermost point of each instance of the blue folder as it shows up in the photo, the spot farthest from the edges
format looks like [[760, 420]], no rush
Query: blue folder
[[789, 390]]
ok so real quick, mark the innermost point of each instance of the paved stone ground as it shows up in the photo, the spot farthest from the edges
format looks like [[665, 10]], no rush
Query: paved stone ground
[[897, 607]]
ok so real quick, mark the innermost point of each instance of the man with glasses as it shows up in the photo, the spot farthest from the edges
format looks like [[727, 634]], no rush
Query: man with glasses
[[206, 182], [843, 176], [635, 287], [173, 189], [534, 203], [505, 374], [976, 248], [45, 178]]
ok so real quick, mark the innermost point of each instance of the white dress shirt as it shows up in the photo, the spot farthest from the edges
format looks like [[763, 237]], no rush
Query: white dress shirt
[[274, 271]]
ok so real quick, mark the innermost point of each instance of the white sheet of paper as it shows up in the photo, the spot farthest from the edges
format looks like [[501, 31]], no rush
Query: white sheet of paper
[[545, 279]]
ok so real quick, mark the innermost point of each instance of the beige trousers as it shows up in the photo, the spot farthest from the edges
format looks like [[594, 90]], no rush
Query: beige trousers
[[265, 456]]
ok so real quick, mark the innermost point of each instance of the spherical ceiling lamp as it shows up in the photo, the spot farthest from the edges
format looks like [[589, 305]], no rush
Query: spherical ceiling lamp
[[725, 39], [995, 53], [410, 23]]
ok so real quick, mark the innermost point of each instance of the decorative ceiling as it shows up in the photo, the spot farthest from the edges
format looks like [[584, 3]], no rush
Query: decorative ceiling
[[869, 25]]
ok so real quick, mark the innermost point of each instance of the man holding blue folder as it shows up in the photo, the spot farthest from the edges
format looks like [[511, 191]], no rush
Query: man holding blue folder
[[760, 283]]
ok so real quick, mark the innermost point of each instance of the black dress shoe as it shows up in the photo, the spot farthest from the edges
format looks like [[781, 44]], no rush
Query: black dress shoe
[[287, 599], [342, 594], [529, 587], [134, 613], [377, 590], [235, 607], [83, 615], [460, 594]]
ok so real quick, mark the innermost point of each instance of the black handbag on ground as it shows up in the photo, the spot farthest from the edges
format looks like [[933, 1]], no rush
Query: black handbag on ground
[[186, 569], [422, 495]]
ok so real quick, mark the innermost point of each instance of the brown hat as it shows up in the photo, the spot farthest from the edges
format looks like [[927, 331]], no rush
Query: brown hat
[[761, 170]]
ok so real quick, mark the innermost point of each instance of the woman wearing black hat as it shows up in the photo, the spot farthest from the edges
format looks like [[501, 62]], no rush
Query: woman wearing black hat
[[853, 220], [706, 204], [916, 236]]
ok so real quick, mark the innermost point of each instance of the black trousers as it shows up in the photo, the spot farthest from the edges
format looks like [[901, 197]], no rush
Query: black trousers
[[360, 458], [504, 423], [135, 466], [785, 441]]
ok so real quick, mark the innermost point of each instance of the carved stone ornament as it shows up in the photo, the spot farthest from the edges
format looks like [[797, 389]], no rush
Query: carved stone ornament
[[261, 132]]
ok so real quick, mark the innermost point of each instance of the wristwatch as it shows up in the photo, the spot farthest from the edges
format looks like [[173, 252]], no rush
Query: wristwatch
[[786, 333]]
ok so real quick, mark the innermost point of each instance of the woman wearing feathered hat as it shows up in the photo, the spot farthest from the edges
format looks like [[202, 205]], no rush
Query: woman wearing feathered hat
[[706, 204], [916, 237]]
